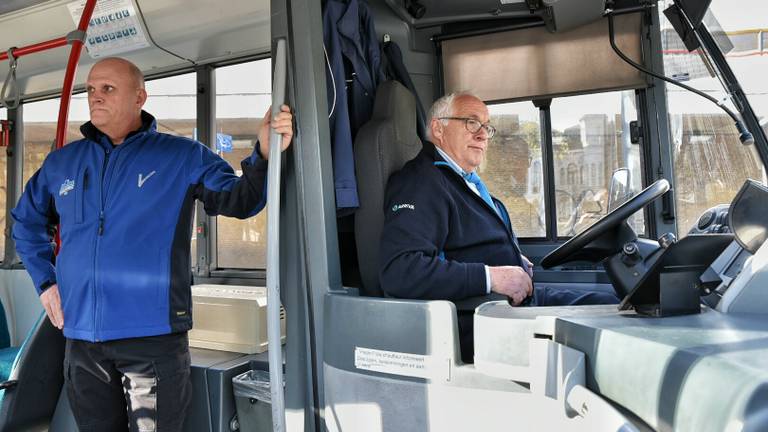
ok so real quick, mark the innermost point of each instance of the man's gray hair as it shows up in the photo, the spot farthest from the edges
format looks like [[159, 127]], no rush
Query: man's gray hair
[[443, 107]]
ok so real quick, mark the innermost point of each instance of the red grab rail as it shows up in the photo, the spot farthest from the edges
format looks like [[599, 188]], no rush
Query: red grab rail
[[69, 76]]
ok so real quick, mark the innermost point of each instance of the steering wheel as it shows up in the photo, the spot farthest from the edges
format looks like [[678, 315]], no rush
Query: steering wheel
[[573, 248]]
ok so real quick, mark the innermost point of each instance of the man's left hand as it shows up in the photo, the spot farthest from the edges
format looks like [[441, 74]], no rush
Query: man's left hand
[[527, 265], [282, 124]]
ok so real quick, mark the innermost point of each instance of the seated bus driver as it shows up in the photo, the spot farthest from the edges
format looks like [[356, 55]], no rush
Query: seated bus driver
[[120, 286], [445, 237]]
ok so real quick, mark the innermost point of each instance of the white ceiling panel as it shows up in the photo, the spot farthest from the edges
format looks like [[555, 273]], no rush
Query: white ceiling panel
[[202, 31]]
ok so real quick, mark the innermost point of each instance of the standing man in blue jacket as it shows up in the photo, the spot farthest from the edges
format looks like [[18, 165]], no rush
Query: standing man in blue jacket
[[119, 288], [446, 238]]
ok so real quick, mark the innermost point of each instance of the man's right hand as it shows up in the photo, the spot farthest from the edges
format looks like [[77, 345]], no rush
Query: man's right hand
[[52, 304], [511, 281]]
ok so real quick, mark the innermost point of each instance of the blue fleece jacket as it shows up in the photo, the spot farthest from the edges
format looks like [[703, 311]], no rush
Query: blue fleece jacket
[[125, 215]]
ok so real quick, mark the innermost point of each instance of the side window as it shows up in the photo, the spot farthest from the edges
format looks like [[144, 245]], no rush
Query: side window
[[172, 101], [710, 163], [40, 129], [590, 139], [243, 93], [513, 166]]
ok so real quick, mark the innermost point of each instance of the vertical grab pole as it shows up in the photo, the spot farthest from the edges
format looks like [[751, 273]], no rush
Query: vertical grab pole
[[69, 77], [69, 82], [273, 245]]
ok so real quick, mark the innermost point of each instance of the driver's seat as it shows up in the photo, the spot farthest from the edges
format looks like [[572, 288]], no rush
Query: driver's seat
[[382, 147]]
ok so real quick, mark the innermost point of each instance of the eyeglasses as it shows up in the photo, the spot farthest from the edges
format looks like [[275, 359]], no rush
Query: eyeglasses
[[474, 125]]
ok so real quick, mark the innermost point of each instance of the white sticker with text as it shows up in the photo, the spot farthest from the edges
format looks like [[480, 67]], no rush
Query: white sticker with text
[[404, 364]]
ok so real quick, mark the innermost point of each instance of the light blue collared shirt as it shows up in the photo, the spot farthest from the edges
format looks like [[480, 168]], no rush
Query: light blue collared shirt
[[463, 175]]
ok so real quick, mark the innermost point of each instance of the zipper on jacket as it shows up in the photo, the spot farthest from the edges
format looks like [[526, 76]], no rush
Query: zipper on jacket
[[104, 167], [102, 194]]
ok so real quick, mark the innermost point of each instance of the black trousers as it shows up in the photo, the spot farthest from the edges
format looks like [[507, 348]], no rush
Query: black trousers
[[139, 384]]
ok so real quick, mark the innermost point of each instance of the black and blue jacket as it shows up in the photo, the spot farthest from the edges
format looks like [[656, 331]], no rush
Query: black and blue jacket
[[439, 235], [125, 215]]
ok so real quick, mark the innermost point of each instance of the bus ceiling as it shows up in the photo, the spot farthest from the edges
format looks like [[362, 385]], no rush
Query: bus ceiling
[[166, 35]]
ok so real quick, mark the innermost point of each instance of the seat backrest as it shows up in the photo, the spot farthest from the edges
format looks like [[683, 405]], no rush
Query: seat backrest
[[38, 370], [382, 146]]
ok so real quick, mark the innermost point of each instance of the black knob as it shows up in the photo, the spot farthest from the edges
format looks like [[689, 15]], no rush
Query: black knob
[[629, 249], [630, 254], [667, 240], [706, 219]]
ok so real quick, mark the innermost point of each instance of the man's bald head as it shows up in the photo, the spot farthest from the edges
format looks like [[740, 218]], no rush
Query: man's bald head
[[127, 67], [116, 94]]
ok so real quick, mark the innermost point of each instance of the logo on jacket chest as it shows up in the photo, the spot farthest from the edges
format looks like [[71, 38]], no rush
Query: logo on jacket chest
[[143, 179], [66, 187], [397, 207]]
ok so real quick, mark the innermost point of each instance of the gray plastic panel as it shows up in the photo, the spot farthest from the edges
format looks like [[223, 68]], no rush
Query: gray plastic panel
[[502, 333], [407, 326], [213, 403], [706, 372]]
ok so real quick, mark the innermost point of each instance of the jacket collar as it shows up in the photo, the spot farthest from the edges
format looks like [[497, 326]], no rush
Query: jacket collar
[[429, 149], [91, 132]]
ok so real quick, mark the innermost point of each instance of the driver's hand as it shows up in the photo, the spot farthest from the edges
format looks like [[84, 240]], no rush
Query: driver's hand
[[511, 281]]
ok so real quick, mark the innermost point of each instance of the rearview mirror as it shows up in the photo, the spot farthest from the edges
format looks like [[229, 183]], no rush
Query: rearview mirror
[[620, 188]]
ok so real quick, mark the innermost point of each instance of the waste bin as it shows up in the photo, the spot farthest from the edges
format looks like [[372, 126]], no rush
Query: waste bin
[[253, 401]]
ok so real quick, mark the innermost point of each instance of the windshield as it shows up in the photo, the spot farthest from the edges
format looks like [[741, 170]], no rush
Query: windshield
[[710, 163], [743, 38]]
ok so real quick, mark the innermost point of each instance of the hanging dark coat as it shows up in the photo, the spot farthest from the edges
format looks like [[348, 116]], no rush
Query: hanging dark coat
[[353, 73]]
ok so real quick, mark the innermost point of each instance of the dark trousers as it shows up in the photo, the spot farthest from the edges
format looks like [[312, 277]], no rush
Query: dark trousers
[[139, 384], [542, 296]]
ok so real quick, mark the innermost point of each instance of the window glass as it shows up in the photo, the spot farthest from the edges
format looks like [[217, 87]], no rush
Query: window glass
[[243, 94], [40, 120], [513, 168], [173, 102], [591, 141], [710, 163]]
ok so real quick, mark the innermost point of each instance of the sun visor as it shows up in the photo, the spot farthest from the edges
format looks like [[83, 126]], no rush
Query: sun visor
[[747, 215], [534, 63]]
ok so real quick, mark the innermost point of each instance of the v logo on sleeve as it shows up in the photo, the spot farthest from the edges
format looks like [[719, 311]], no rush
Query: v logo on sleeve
[[142, 179]]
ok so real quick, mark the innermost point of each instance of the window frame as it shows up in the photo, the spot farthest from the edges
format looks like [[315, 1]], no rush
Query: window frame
[[206, 268]]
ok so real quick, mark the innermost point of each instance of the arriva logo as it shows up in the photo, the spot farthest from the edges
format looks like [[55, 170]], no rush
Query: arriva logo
[[397, 207], [67, 186]]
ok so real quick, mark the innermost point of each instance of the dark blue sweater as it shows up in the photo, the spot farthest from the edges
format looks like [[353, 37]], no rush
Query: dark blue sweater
[[439, 235]]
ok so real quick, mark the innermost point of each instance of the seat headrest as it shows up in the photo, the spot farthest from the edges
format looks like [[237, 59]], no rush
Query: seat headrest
[[396, 104]]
